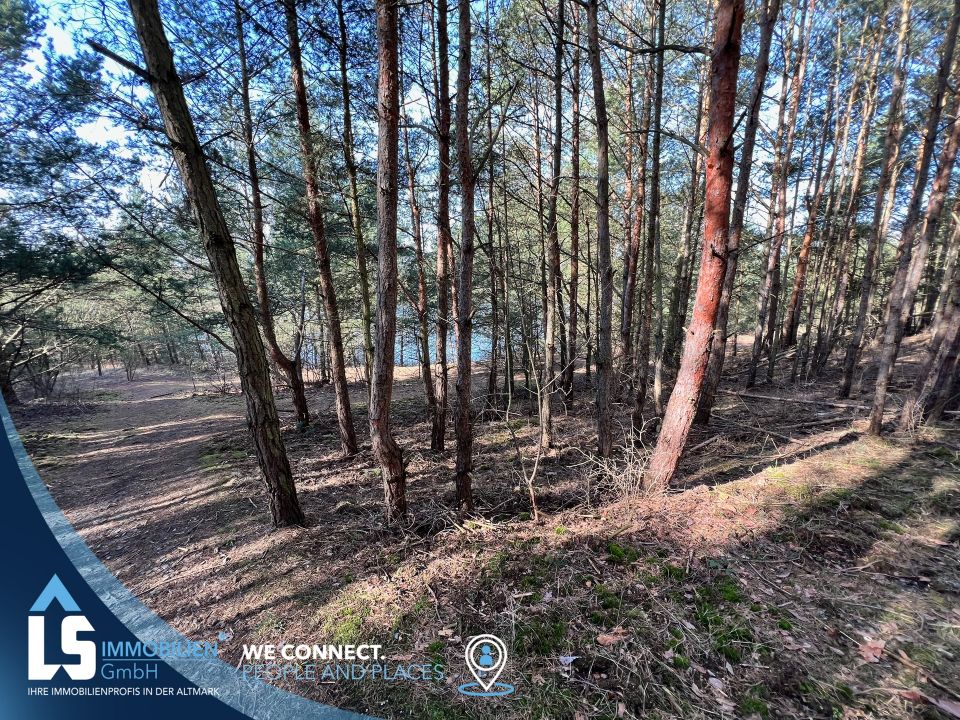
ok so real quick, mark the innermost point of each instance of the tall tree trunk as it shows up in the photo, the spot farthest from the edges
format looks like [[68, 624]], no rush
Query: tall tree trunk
[[770, 290], [463, 417], [653, 230], [683, 266], [847, 241], [943, 336], [899, 290], [770, 13], [492, 399], [791, 316], [292, 368], [422, 308], [444, 239], [570, 367], [348, 438], [696, 349], [353, 195], [385, 447], [631, 241], [605, 270], [262, 419], [549, 386]]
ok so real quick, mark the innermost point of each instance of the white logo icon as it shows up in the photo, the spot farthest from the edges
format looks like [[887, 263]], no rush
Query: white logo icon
[[37, 667], [486, 656]]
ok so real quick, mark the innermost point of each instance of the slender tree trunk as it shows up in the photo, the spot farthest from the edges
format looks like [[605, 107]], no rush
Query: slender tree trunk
[[946, 380], [549, 385], [492, 399], [353, 195], [653, 232], [770, 13], [791, 317], [385, 447], [252, 365], [769, 291], [348, 438], [444, 238], [899, 297], [605, 270], [570, 367], [847, 241], [463, 417], [683, 267], [696, 349], [632, 241], [422, 308], [292, 368], [943, 336]]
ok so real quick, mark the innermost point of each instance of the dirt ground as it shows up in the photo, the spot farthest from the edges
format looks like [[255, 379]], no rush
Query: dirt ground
[[799, 569]]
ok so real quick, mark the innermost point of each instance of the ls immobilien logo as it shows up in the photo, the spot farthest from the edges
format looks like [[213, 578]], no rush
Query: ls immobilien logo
[[72, 624]]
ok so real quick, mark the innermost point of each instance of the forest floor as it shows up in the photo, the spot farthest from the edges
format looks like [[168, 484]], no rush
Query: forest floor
[[799, 569]]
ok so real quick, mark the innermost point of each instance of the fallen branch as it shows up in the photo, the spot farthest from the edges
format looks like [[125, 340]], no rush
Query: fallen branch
[[828, 403]]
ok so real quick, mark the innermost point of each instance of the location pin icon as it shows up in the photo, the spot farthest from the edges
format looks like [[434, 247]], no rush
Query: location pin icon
[[486, 656]]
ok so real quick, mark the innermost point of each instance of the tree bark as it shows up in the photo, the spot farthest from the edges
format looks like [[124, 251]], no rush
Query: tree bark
[[463, 415], [899, 290], [653, 232], [549, 386], [353, 194], [292, 368], [771, 11], [605, 269], [570, 368], [444, 238], [262, 419], [938, 349], [769, 291], [348, 438], [719, 178], [422, 307], [385, 447]]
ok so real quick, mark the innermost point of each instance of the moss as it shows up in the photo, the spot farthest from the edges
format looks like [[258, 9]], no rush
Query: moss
[[348, 630], [727, 642], [608, 600], [622, 554], [751, 705], [785, 625], [436, 647], [495, 565], [673, 572], [728, 589], [681, 662], [540, 637], [561, 530]]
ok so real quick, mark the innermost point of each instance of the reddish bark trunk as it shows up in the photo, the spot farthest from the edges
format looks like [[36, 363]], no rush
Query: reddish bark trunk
[[719, 176], [718, 346]]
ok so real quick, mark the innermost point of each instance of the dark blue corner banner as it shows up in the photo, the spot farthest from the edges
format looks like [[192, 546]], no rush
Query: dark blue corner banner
[[77, 644]]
